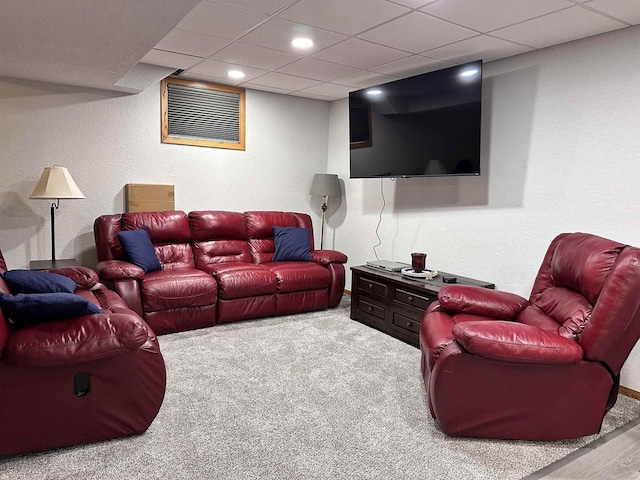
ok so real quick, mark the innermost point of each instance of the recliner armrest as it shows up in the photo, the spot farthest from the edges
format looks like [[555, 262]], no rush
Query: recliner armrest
[[119, 270], [481, 301], [515, 342], [82, 339], [83, 276], [325, 257]]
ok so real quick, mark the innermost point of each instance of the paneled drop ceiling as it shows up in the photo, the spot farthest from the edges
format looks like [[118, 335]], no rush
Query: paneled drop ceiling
[[128, 45]]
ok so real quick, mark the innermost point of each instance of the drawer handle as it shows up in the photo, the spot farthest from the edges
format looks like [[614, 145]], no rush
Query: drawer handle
[[370, 308], [371, 286], [409, 324], [411, 299]]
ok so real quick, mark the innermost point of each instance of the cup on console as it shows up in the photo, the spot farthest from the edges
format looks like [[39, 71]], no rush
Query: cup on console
[[418, 262]]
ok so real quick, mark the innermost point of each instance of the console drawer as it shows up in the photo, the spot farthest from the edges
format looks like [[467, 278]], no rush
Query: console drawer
[[406, 323], [372, 286], [372, 309], [420, 301]]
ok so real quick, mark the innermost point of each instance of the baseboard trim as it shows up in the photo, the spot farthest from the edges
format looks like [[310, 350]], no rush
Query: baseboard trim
[[348, 292], [628, 392]]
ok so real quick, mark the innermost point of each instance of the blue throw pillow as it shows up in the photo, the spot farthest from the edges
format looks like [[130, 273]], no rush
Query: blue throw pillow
[[138, 247], [291, 243], [30, 308], [27, 281]]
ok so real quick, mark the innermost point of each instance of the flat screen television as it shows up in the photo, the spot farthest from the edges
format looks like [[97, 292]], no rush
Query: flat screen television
[[422, 126]]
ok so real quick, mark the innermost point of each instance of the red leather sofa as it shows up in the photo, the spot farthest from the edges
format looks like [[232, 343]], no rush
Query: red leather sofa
[[216, 267], [78, 380], [501, 366]]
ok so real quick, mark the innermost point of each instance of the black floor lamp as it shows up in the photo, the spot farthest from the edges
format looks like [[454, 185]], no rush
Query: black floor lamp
[[55, 183], [325, 185]]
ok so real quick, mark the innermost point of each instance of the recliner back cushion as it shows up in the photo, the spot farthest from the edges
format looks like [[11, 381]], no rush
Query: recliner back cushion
[[581, 263], [219, 237], [568, 285], [169, 232], [260, 231]]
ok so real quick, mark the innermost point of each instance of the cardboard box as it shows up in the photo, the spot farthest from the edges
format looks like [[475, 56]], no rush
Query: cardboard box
[[142, 197]]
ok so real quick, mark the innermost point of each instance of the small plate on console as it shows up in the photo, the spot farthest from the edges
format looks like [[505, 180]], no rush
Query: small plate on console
[[426, 274]]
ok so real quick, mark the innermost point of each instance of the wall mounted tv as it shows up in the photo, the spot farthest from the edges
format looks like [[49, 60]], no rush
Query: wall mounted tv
[[422, 126]]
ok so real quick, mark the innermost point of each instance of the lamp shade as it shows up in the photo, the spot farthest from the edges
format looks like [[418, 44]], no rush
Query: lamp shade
[[325, 185], [56, 182]]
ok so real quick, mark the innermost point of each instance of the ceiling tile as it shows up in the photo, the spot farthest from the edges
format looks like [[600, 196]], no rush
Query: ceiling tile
[[417, 32], [265, 88], [481, 47], [625, 10], [220, 20], [191, 43], [287, 82], [277, 33], [410, 66], [413, 3], [559, 27], [264, 6], [317, 69], [358, 53], [259, 57], [214, 68], [343, 17], [329, 90], [170, 59], [208, 78], [365, 79], [487, 15]]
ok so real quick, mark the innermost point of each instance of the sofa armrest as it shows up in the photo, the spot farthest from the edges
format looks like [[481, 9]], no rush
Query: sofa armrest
[[516, 342], [82, 339], [325, 257], [481, 301], [119, 270], [83, 276]]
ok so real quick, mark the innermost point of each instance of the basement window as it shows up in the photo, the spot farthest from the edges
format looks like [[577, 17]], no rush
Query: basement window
[[202, 114]]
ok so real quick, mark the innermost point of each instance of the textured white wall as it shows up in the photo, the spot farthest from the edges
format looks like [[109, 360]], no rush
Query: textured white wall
[[107, 140], [561, 149]]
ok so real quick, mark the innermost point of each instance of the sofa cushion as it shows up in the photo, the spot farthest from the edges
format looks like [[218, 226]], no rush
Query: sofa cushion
[[291, 244], [27, 281], [139, 249], [240, 280], [177, 288], [31, 308], [297, 276]]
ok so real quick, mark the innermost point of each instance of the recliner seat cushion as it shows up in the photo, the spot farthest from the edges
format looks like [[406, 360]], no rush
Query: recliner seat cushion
[[240, 280], [167, 289], [297, 276]]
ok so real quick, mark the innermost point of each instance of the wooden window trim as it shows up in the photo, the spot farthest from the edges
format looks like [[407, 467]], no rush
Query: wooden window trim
[[166, 138]]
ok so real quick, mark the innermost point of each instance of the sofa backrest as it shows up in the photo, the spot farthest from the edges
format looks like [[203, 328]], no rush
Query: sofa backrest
[[201, 238], [218, 237], [260, 231], [169, 232]]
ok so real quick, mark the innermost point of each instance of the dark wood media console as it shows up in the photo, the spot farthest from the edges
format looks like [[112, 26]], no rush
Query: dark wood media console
[[393, 303]]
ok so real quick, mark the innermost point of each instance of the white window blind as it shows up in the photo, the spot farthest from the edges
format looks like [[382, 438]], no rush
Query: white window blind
[[196, 113]]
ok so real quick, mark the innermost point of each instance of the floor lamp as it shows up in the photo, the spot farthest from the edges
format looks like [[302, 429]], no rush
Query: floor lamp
[[55, 183], [325, 185]]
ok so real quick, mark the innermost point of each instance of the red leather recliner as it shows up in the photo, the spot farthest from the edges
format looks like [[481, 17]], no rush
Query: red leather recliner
[[496, 365], [78, 380]]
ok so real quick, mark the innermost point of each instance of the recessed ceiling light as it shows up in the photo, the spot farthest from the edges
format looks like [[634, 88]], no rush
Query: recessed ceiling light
[[237, 74], [302, 42]]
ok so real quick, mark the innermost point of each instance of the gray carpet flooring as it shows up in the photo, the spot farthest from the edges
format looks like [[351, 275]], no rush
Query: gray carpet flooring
[[310, 396]]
